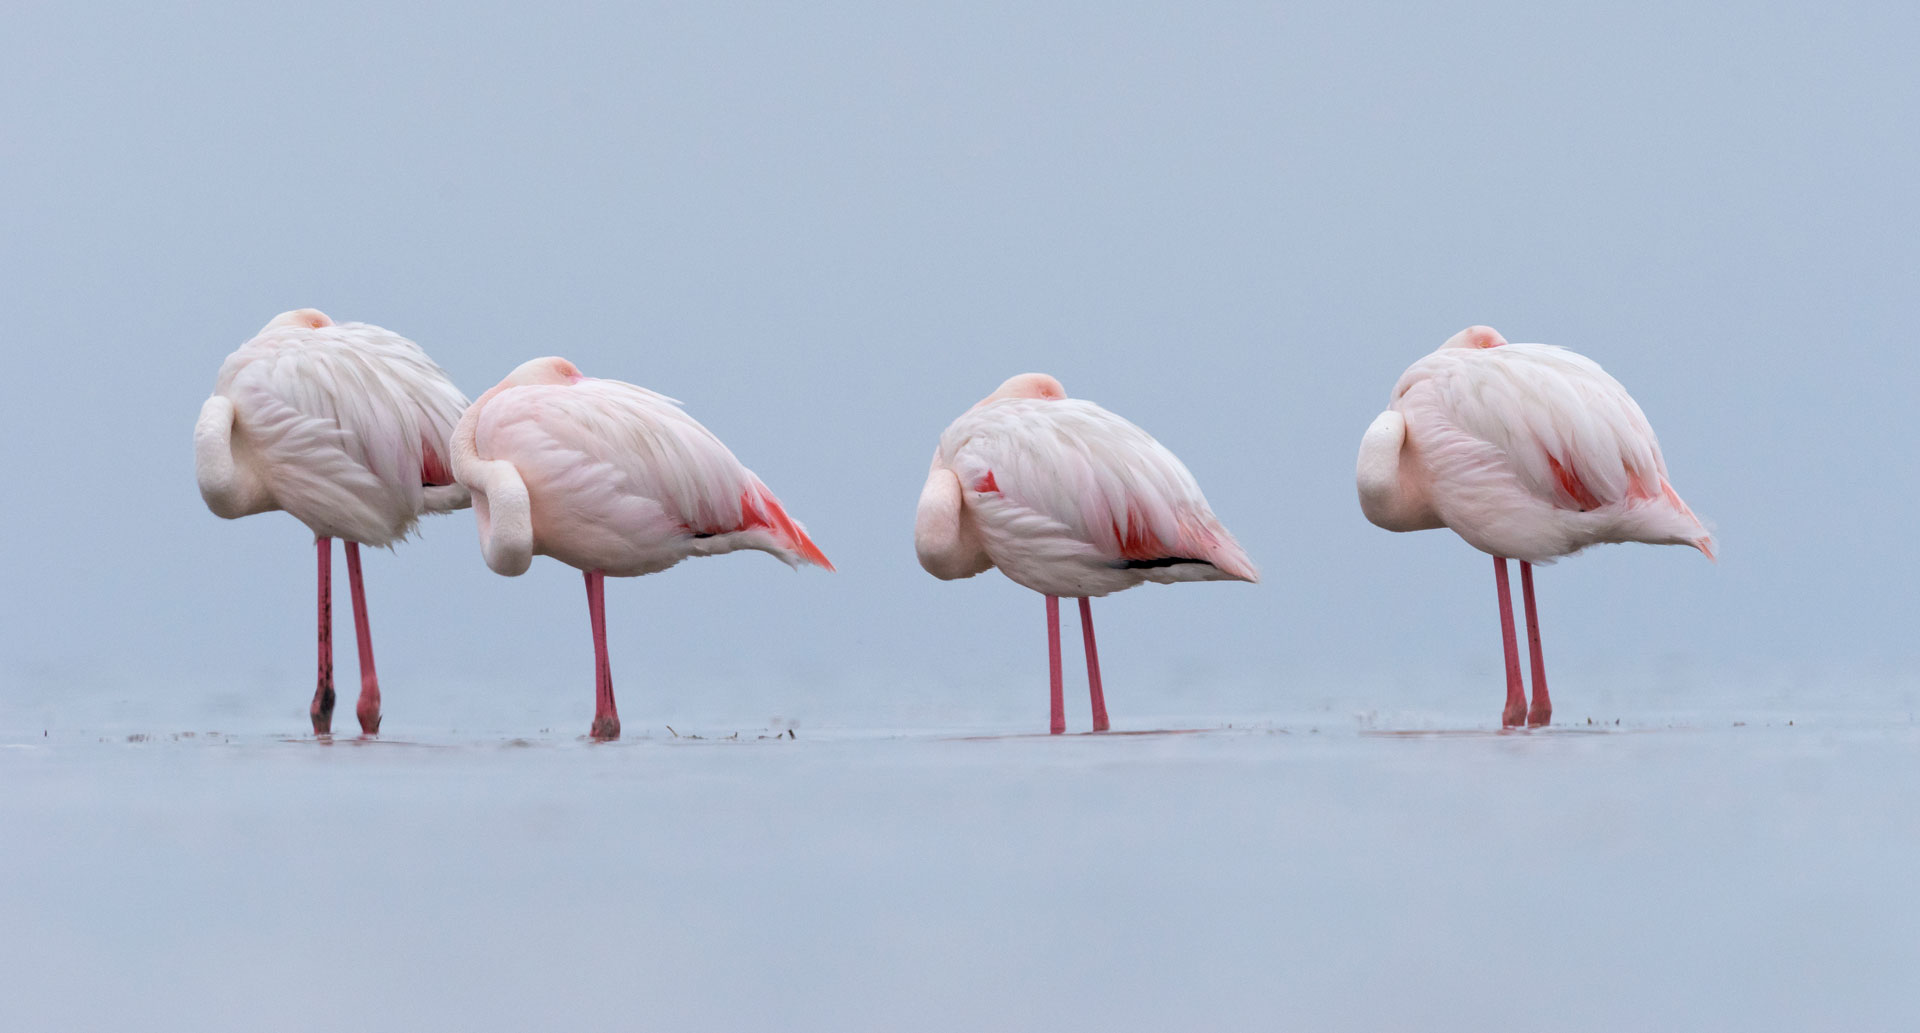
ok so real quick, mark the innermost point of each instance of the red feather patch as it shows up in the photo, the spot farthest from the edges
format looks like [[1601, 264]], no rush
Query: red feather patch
[[433, 470], [1575, 488]]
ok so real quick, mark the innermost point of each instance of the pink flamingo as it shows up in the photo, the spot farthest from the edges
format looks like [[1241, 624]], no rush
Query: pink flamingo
[[1067, 499], [1526, 451], [610, 478], [344, 427]]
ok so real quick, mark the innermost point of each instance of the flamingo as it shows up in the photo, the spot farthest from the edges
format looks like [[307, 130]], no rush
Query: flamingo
[[1527, 451], [613, 479], [345, 427], [1071, 501]]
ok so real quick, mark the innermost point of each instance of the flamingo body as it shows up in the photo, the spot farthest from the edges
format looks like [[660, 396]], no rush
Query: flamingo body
[[618, 479], [1526, 451], [344, 427], [1067, 499], [613, 479]]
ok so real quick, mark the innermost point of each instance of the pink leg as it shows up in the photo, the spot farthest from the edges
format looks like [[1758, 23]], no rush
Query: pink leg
[[369, 708], [322, 710], [1093, 667], [1542, 711], [1516, 713], [606, 721], [1057, 720]]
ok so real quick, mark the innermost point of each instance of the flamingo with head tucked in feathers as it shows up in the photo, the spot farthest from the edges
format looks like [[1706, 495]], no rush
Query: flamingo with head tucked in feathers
[[1070, 500], [613, 479], [345, 427], [1527, 451]]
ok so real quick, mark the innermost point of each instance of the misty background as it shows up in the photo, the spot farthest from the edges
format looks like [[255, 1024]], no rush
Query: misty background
[[830, 231]]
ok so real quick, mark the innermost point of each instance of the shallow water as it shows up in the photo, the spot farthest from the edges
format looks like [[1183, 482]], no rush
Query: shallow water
[[1682, 872]]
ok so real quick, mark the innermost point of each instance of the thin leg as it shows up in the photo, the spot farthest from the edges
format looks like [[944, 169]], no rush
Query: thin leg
[[1516, 713], [1057, 719], [322, 710], [606, 721], [1542, 711], [369, 708], [1093, 666]]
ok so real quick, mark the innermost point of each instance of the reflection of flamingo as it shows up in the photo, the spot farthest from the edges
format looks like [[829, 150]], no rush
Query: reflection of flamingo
[[1067, 499], [1524, 450], [346, 428], [610, 478]]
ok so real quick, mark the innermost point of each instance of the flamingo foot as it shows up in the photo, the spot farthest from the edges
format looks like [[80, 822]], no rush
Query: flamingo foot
[[1540, 716], [322, 710], [369, 713], [606, 728], [1515, 716]]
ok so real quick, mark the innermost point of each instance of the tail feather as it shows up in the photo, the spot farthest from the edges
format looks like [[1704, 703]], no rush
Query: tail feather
[[1705, 542], [1222, 551], [758, 508]]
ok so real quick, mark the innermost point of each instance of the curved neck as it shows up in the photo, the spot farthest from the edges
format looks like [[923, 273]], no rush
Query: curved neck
[[464, 445], [230, 486], [501, 507], [1392, 494]]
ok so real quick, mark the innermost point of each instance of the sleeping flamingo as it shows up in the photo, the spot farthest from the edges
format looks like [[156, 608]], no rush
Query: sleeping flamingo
[[1527, 451], [346, 428], [610, 478], [1067, 499]]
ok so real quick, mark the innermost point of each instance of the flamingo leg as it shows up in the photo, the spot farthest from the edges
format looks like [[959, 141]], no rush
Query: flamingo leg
[[322, 710], [606, 721], [1515, 714], [369, 708], [1057, 717], [1542, 711], [1093, 667]]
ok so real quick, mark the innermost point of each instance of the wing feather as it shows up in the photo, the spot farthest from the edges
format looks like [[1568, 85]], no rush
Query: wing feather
[[1092, 475], [638, 453], [1569, 432], [352, 421]]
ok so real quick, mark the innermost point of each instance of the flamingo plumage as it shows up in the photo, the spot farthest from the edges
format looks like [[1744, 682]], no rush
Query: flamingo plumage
[[1070, 500], [613, 479], [346, 428], [1526, 451]]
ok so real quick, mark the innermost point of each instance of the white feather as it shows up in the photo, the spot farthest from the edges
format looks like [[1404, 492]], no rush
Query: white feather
[[620, 479], [330, 424], [1487, 426], [1078, 492]]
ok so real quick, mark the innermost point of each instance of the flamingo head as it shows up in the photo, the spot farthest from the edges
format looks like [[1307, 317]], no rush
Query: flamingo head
[[1028, 385], [300, 318], [1476, 337], [551, 370]]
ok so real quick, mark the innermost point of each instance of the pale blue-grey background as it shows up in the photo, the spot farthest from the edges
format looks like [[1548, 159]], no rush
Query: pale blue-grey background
[[829, 229]]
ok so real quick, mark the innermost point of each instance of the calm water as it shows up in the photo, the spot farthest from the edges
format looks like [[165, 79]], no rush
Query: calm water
[[1328, 870]]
